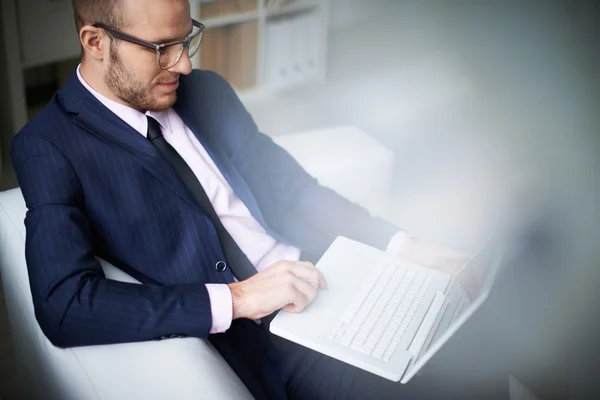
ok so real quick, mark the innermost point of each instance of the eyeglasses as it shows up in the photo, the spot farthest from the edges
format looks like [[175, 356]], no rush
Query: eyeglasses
[[167, 54]]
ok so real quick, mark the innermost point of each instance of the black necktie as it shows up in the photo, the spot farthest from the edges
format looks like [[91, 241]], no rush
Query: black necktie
[[237, 260]]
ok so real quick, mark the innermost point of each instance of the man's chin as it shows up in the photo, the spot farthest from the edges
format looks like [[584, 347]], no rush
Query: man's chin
[[164, 102]]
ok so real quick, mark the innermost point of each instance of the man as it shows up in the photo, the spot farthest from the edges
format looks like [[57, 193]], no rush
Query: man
[[161, 171]]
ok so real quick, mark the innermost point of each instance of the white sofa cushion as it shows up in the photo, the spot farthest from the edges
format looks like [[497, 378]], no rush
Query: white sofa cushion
[[346, 160]]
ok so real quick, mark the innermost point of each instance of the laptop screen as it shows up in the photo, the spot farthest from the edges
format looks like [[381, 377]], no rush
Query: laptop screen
[[470, 284]]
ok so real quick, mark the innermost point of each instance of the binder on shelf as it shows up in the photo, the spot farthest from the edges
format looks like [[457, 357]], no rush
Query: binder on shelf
[[313, 45], [278, 57], [286, 51], [298, 35], [271, 53], [292, 49]]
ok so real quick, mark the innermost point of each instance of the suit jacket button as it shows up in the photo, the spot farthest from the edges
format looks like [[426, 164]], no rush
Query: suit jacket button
[[221, 266]]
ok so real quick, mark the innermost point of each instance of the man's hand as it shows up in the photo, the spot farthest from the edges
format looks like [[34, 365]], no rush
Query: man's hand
[[433, 256], [286, 285]]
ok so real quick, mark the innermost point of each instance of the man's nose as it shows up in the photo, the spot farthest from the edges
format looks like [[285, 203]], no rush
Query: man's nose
[[183, 66]]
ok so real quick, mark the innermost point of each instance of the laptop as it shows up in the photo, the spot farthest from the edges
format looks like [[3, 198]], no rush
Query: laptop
[[385, 314]]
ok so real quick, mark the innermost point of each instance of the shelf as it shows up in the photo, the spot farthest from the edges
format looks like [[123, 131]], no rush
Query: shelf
[[292, 7], [230, 19], [215, 20], [227, 12], [237, 46], [220, 8]]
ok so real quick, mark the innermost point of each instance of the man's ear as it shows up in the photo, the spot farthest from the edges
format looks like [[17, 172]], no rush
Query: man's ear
[[93, 40]]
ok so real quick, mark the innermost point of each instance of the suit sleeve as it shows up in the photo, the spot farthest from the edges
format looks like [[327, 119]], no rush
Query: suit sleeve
[[302, 211], [74, 303], [312, 215]]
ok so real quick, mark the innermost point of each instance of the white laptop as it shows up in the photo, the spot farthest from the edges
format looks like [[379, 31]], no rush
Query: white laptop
[[384, 314]]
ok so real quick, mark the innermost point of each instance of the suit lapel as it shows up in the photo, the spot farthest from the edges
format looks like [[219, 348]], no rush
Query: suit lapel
[[99, 121]]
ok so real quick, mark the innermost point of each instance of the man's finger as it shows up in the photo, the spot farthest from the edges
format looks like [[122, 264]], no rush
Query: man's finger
[[307, 291], [322, 280], [309, 273], [292, 308], [297, 300]]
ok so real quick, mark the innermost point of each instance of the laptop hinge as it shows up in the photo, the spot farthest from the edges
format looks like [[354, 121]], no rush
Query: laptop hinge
[[427, 325]]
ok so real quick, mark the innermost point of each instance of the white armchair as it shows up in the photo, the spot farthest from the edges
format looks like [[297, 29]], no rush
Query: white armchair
[[344, 159]]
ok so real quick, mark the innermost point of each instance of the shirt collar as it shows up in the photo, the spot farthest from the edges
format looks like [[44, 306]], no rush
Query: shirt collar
[[131, 116]]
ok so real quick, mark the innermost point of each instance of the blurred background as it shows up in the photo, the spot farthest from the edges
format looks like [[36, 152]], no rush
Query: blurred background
[[490, 109]]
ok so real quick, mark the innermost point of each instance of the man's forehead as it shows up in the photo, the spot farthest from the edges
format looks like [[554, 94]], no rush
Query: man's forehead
[[157, 20], [158, 13]]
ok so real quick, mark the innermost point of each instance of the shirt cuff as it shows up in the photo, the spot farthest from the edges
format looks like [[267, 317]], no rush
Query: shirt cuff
[[397, 242], [221, 307]]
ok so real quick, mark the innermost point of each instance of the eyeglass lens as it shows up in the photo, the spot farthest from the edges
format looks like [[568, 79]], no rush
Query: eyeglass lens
[[170, 55]]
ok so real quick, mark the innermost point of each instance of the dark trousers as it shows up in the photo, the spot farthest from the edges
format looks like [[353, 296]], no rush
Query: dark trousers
[[273, 368]]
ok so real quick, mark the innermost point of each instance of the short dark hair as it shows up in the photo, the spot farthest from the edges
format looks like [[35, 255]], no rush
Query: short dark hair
[[88, 12]]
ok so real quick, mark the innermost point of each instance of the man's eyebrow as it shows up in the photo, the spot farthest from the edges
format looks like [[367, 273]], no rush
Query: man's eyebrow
[[175, 39]]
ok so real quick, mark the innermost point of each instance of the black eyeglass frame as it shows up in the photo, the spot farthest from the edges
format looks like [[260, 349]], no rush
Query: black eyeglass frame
[[117, 34]]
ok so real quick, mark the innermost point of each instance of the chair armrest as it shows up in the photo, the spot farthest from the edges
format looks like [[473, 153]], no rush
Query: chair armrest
[[174, 368], [187, 368]]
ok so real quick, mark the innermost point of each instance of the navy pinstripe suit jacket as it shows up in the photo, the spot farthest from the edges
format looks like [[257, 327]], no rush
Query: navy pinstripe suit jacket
[[95, 187]]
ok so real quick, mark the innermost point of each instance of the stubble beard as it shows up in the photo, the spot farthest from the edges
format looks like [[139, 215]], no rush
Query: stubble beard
[[125, 86]]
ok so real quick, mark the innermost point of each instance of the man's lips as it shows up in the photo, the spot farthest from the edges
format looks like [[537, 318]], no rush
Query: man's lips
[[170, 85]]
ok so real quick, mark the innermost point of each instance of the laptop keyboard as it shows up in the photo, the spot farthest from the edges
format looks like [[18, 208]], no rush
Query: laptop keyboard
[[381, 311]]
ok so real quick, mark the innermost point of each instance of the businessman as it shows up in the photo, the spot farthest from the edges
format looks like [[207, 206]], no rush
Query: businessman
[[161, 171]]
